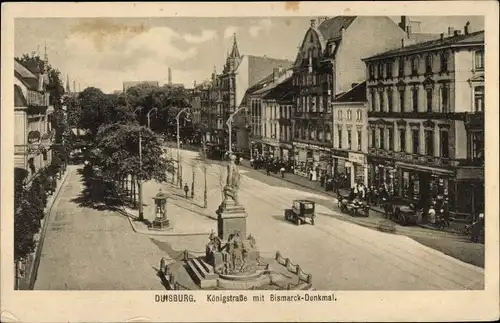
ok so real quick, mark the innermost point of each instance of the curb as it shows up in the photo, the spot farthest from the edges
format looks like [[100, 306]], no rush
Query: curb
[[39, 248], [130, 218]]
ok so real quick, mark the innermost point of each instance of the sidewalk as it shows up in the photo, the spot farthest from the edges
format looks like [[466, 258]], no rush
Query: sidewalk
[[374, 218]]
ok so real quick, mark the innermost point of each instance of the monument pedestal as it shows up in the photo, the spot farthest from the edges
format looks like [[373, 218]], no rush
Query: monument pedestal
[[160, 224], [230, 220]]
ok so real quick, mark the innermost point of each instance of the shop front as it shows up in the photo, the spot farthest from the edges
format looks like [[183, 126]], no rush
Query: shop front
[[421, 185], [311, 157], [286, 151], [469, 193], [381, 173], [358, 169]]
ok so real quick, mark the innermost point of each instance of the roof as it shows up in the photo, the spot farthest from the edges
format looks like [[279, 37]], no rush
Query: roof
[[23, 71], [423, 37], [268, 83], [282, 91], [19, 99], [356, 94], [458, 40], [331, 28], [260, 66]]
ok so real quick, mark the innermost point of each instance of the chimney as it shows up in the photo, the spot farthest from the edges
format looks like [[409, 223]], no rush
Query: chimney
[[403, 24], [408, 31], [450, 30], [313, 23], [402, 42], [466, 28], [354, 85], [441, 36], [456, 32]]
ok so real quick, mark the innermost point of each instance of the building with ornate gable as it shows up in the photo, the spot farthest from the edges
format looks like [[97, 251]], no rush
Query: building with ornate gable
[[327, 64], [426, 120]]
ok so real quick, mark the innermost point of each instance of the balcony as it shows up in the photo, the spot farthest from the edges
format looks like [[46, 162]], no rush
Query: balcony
[[413, 158], [37, 99], [474, 120]]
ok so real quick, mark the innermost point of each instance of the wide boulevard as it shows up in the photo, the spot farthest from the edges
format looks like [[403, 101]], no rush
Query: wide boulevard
[[90, 249]]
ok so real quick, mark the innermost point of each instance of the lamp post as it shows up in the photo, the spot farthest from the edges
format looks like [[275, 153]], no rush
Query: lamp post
[[229, 123], [149, 121], [179, 171], [192, 183], [139, 182]]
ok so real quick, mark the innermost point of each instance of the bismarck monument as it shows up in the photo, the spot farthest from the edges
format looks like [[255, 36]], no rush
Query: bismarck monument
[[232, 259]]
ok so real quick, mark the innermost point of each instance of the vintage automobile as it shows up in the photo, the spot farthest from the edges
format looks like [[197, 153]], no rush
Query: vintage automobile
[[301, 211], [402, 213], [353, 207]]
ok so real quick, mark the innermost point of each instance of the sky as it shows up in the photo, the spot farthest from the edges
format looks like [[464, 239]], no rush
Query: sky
[[105, 52]]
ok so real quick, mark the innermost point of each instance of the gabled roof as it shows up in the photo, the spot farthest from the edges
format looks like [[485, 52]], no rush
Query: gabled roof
[[282, 91], [19, 99], [331, 28], [23, 71], [356, 94], [475, 38]]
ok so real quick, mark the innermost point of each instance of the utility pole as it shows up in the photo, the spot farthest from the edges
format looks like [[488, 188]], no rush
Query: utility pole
[[192, 183], [139, 180]]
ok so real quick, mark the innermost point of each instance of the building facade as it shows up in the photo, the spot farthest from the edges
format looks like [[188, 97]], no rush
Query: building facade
[[240, 73], [426, 121], [270, 109], [327, 63], [350, 145], [33, 133]]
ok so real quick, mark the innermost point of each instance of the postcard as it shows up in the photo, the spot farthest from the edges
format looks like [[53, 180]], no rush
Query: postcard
[[270, 161]]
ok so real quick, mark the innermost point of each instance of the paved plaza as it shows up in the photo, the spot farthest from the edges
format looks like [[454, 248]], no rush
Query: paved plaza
[[90, 249]]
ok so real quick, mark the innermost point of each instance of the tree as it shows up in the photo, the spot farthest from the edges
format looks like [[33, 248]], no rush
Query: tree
[[118, 153]]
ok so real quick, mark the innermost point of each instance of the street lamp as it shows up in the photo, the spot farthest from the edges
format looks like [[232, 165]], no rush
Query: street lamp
[[149, 121], [179, 171], [139, 182], [229, 123]]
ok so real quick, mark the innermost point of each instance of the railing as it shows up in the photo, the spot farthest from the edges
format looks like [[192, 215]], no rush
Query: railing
[[35, 98], [307, 278]]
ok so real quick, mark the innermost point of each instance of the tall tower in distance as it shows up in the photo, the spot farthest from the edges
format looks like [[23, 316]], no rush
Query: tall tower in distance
[[169, 76]]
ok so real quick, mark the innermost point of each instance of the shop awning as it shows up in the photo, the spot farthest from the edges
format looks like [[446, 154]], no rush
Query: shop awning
[[425, 169]]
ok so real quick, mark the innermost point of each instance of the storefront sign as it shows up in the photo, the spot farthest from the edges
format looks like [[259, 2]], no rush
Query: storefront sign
[[470, 173], [340, 153], [34, 137], [357, 158], [309, 146]]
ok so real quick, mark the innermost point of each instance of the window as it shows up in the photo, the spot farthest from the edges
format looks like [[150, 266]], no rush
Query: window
[[380, 71], [415, 99], [402, 140], [429, 142], [349, 115], [444, 99], [373, 138], [444, 144], [415, 140], [382, 139], [340, 137], [321, 107], [479, 60], [313, 104], [428, 64], [402, 100], [444, 62], [476, 145], [339, 114], [373, 101], [381, 100], [388, 70], [414, 66], [372, 71], [349, 142], [359, 139], [479, 99], [389, 101], [429, 100], [359, 116], [401, 67], [391, 138]]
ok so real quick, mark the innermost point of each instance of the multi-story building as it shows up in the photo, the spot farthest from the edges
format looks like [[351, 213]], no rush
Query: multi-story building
[[270, 109], [327, 63], [32, 120], [240, 73], [426, 119], [350, 144]]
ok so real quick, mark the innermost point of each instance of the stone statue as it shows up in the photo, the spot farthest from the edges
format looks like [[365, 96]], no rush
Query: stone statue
[[232, 182]]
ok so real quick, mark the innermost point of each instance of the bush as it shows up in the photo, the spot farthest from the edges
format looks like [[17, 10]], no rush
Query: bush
[[26, 225]]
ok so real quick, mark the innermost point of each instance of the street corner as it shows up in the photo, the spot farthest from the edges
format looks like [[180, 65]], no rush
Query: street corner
[[181, 222]]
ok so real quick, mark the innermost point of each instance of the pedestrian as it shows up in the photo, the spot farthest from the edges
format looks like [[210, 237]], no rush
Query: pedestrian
[[186, 189], [282, 171]]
